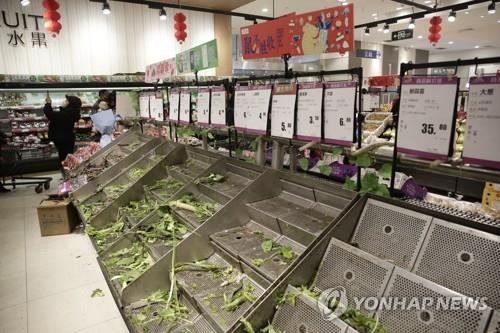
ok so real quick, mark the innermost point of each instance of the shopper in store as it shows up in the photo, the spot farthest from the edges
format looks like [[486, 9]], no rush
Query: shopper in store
[[62, 124], [104, 96]]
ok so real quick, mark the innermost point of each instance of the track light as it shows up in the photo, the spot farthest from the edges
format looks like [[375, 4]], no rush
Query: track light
[[452, 17], [106, 9], [412, 24], [367, 31], [25, 3], [491, 7], [163, 14], [386, 28]]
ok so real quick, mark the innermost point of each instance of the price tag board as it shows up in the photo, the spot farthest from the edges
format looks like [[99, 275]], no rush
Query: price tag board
[[203, 107], [218, 107], [426, 116], [185, 106], [156, 107], [283, 110], [371, 101], [340, 99], [258, 110], [241, 107], [309, 111], [144, 106], [174, 105], [483, 122]]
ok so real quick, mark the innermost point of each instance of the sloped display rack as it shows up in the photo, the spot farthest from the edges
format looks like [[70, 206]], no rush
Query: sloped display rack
[[386, 250], [191, 241]]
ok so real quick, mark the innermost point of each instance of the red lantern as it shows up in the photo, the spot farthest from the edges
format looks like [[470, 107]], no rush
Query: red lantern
[[180, 27], [434, 30], [52, 16]]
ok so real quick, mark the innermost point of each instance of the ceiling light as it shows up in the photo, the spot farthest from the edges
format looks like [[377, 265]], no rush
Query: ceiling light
[[420, 37], [399, 8], [106, 10], [386, 28], [163, 14], [25, 3], [476, 47], [427, 1], [412, 24], [265, 10], [450, 42], [367, 31], [374, 14], [380, 29], [482, 16], [491, 7], [452, 17], [467, 13], [345, 3]]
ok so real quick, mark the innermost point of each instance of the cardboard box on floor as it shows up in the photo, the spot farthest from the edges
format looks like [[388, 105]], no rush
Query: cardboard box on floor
[[57, 217]]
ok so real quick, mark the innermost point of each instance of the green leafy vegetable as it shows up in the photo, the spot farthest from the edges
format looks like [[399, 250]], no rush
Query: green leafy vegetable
[[270, 329], [247, 326], [167, 230], [337, 151], [137, 173], [202, 210], [258, 262], [267, 245], [138, 209], [212, 178], [287, 252], [363, 160], [325, 170], [242, 295], [114, 191], [385, 171], [105, 235], [97, 293], [349, 184], [171, 185], [91, 209], [304, 164]]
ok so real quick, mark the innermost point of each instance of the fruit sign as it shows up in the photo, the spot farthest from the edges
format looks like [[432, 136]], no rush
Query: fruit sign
[[328, 30]]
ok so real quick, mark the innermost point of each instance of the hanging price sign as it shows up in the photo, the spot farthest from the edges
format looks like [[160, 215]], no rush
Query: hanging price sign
[[203, 107], [185, 106], [483, 122], [426, 116], [283, 111], [258, 113], [309, 117], [174, 105], [241, 107], [144, 106], [340, 99], [218, 107], [156, 107]]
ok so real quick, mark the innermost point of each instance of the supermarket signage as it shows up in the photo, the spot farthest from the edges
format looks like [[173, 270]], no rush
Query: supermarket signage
[[483, 121], [198, 58], [185, 106], [402, 34], [339, 114], [218, 107], [23, 30], [161, 70], [370, 54], [309, 111], [203, 107], [173, 114], [427, 116], [328, 30], [283, 110], [251, 108]]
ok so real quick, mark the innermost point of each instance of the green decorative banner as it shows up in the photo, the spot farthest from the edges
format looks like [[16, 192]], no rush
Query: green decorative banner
[[198, 58]]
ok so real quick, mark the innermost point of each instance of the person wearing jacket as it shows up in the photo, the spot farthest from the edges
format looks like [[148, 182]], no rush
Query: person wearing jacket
[[62, 124]]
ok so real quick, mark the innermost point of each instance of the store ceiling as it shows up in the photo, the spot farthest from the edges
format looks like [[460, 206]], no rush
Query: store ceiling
[[212, 4], [477, 28]]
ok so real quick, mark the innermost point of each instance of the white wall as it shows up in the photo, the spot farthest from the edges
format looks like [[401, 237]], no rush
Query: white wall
[[407, 54], [372, 67], [92, 43]]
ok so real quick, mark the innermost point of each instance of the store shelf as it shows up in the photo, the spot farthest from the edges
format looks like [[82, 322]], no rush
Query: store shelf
[[29, 130]]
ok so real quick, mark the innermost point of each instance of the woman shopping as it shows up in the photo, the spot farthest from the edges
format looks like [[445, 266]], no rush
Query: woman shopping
[[62, 124]]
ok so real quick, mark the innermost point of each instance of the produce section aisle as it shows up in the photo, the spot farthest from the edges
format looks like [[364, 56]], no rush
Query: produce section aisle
[[46, 283]]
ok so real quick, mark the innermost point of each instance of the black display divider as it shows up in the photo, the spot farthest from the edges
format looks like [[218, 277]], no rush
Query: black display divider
[[404, 69]]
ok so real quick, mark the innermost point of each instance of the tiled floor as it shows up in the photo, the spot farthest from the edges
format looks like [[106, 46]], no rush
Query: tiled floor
[[46, 282]]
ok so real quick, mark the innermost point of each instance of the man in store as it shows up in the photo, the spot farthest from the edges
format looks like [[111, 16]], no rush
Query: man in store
[[104, 96], [62, 124]]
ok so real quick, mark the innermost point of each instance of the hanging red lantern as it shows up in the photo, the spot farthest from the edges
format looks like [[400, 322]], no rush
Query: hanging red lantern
[[52, 17], [434, 30], [180, 27]]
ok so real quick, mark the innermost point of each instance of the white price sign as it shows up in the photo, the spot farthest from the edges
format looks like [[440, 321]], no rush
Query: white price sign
[[241, 107], [309, 118], [174, 105], [185, 106], [483, 122], [340, 98], [144, 106], [283, 111], [203, 107], [156, 107], [258, 113], [426, 116], [218, 107], [371, 101]]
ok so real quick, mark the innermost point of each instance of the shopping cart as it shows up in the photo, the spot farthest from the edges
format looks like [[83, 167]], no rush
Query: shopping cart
[[12, 158]]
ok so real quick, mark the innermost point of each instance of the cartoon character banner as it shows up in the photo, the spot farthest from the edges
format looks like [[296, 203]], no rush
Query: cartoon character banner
[[329, 30]]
